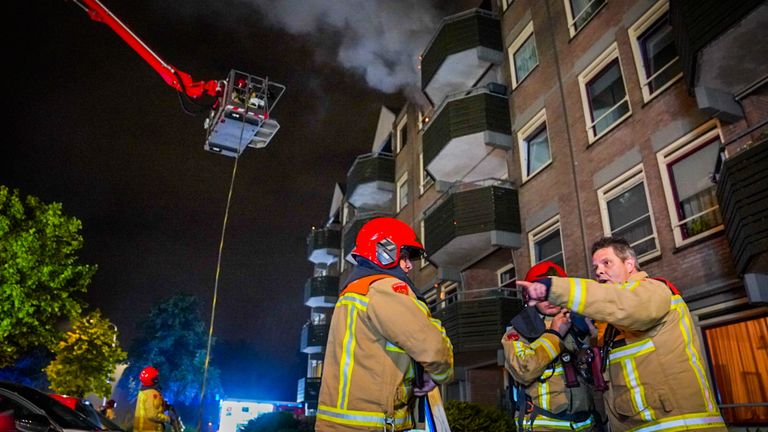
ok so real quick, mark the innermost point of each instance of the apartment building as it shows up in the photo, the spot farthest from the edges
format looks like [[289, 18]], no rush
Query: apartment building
[[621, 111], [552, 123]]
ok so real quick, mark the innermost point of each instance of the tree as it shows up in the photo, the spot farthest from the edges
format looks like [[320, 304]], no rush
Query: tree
[[471, 417], [173, 340], [86, 358], [40, 277]]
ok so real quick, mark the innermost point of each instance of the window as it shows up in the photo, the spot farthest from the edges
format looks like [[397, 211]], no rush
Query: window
[[522, 55], [626, 213], [579, 12], [603, 93], [448, 293], [534, 145], [402, 191], [653, 45], [686, 171], [505, 4], [426, 180], [546, 244], [402, 134], [738, 369], [507, 277]]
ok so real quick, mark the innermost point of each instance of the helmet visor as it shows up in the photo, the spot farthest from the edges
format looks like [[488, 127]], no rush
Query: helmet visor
[[412, 253]]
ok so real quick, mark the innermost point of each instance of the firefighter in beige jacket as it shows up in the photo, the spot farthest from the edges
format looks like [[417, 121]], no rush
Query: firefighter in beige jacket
[[658, 379], [379, 333], [532, 349]]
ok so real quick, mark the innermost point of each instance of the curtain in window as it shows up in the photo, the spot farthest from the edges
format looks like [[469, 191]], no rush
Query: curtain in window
[[538, 150], [695, 191], [525, 58], [739, 355]]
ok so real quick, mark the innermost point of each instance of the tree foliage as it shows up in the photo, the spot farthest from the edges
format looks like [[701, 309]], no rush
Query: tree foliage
[[472, 417], [40, 277], [173, 340], [86, 358]]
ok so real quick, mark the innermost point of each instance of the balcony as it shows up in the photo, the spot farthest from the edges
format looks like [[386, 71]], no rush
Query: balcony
[[742, 190], [471, 221], [469, 136], [321, 291], [323, 245], [314, 338], [371, 182], [476, 319], [308, 392], [460, 53], [353, 226]]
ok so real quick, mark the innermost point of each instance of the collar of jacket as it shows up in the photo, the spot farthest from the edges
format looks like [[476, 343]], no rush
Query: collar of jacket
[[365, 268]]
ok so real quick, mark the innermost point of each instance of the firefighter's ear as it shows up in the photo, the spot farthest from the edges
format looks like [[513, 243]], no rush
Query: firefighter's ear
[[630, 265]]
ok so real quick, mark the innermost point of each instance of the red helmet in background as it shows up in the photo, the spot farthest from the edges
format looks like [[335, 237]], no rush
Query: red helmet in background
[[382, 240], [544, 269], [149, 376]]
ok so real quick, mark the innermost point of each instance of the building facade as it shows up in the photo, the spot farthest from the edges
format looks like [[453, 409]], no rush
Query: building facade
[[552, 123]]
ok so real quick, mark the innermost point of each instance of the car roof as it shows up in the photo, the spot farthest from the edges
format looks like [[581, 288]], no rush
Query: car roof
[[58, 413]]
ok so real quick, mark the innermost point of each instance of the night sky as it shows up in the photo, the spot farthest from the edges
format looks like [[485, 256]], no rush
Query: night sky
[[95, 128]]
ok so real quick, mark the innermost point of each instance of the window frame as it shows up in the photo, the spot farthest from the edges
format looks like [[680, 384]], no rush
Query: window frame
[[542, 230], [402, 181], [520, 40], [571, 20], [424, 261], [402, 124], [425, 180], [619, 185], [596, 67], [531, 127], [499, 272], [505, 4], [648, 20], [677, 150]]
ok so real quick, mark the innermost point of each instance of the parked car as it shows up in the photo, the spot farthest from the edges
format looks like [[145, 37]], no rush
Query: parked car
[[25, 409], [84, 407]]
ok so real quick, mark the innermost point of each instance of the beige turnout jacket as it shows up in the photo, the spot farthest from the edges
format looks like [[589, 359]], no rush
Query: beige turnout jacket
[[532, 364], [658, 378], [368, 374], [149, 415]]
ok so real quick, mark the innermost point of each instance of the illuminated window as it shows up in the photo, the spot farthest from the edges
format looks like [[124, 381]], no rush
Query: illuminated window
[[533, 140], [626, 212], [522, 55], [739, 360]]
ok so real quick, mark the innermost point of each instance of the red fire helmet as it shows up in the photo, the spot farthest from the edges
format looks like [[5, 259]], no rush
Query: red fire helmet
[[382, 240], [544, 269], [149, 376]]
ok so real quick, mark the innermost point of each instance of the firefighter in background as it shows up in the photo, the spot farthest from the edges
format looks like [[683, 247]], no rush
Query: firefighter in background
[[658, 378], [533, 350], [108, 410], [150, 404], [378, 331]]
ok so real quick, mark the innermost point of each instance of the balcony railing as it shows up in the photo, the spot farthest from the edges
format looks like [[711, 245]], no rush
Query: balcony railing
[[313, 338], [471, 221], [321, 291], [476, 319], [323, 245], [371, 182]]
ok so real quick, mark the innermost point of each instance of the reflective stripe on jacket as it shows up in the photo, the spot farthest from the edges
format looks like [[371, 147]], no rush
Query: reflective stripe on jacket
[[658, 378], [528, 361], [368, 373], [149, 415]]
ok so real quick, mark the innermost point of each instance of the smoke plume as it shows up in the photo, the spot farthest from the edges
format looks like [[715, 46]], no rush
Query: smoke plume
[[379, 39]]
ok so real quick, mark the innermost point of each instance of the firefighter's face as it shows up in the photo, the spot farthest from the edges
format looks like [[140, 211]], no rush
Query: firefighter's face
[[547, 308], [609, 268]]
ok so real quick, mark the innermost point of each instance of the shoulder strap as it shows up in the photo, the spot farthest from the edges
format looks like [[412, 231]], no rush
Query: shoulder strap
[[362, 285], [669, 285]]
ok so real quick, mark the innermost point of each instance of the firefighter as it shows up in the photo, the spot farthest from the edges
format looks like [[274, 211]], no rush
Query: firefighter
[[380, 335], [532, 349], [658, 377], [150, 404]]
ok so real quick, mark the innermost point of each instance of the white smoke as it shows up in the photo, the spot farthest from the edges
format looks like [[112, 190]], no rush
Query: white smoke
[[379, 39]]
